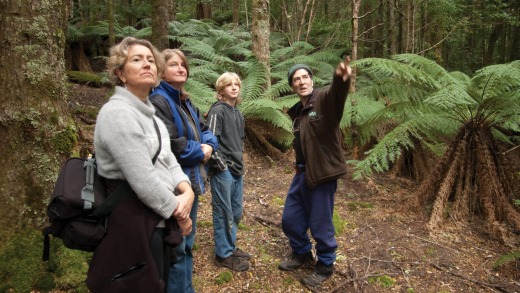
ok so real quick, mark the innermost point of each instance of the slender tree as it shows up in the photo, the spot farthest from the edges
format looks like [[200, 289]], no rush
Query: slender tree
[[111, 23], [260, 34], [160, 20]]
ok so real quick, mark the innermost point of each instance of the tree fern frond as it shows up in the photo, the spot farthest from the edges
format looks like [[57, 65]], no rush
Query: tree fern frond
[[388, 149], [198, 48], [427, 66], [496, 80], [393, 92], [255, 79], [400, 72], [201, 95], [144, 33], [364, 107], [451, 97], [327, 56], [266, 110], [287, 101], [277, 90], [460, 77]]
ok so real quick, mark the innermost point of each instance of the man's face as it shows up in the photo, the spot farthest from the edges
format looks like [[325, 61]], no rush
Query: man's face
[[302, 83]]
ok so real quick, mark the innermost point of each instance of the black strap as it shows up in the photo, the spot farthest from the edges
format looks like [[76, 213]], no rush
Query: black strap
[[124, 188]]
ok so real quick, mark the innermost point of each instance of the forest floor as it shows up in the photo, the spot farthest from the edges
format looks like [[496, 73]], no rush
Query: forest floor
[[382, 246]]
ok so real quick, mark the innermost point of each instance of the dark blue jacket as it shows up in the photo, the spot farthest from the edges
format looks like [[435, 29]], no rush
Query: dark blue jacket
[[185, 143]]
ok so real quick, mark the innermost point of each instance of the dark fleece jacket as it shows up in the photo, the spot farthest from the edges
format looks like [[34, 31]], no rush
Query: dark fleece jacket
[[320, 134]]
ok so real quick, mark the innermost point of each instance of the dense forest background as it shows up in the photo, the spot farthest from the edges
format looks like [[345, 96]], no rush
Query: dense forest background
[[459, 35], [435, 98]]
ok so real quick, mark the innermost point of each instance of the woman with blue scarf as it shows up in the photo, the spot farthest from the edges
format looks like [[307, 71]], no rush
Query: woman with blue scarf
[[192, 143]]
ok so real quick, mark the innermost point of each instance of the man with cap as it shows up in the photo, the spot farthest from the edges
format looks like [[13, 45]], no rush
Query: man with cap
[[319, 163]]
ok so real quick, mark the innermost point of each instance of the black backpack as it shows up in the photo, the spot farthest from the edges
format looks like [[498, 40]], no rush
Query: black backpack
[[80, 205]]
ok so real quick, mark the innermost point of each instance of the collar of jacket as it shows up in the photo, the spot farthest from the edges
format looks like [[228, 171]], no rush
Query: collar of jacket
[[171, 91], [292, 112]]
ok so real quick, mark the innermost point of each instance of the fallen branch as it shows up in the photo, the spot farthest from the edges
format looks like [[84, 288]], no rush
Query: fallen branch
[[264, 221], [483, 284]]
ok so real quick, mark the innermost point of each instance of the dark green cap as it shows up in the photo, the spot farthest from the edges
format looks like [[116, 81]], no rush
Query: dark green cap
[[294, 69]]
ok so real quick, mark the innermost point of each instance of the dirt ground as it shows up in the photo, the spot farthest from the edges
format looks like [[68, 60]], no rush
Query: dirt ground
[[382, 247]]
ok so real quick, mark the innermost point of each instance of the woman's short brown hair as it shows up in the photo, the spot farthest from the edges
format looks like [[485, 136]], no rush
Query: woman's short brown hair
[[119, 55]]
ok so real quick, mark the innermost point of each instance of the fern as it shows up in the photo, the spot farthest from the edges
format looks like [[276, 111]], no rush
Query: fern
[[512, 256], [426, 104]]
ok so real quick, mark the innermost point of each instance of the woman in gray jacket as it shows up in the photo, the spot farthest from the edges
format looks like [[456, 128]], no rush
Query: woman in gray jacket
[[132, 257]]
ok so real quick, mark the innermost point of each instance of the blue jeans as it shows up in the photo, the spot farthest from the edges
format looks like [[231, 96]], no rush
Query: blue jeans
[[227, 202], [305, 209], [181, 273]]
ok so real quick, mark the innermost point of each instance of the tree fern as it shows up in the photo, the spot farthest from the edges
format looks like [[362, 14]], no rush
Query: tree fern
[[428, 104]]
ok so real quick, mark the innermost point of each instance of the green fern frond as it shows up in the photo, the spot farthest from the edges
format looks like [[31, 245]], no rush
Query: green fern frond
[[255, 79], [427, 66], [266, 110], [426, 128], [327, 56], [144, 33], [198, 48], [388, 149], [201, 95], [451, 97], [400, 72], [512, 256], [287, 101], [496, 80], [277, 90]]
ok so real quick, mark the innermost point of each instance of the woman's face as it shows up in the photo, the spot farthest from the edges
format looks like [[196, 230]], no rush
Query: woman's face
[[175, 73], [139, 73]]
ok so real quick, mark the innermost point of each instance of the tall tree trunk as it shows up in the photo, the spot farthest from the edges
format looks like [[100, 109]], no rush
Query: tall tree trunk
[[111, 23], [514, 52], [260, 33], [356, 150], [160, 17], [491, 44], [392, 26], [173, 10], [203, 10], [236, 15], [34, 121], [312, 15], [356, 4]]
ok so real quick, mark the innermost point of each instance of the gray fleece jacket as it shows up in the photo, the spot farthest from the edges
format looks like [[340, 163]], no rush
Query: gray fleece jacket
[[125, 142]]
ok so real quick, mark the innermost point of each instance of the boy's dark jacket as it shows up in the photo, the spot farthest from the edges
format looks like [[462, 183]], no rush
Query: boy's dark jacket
[[185, 144], [320, 134], [228, 125]]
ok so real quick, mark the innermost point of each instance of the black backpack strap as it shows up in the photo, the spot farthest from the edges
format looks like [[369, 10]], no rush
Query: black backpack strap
[[46, 243], [87, 193], [124, 188], [160, 141]]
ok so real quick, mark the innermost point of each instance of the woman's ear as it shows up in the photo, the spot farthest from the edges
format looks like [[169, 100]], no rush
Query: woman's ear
[[120, 75]]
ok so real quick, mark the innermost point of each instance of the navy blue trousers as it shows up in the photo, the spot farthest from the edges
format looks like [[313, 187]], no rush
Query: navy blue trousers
[[305, 209]]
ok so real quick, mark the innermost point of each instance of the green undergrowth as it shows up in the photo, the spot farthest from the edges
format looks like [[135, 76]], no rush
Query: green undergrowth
[[23, 270]]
